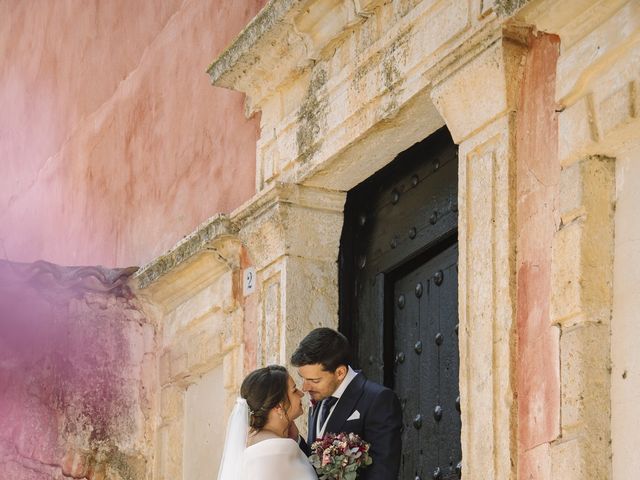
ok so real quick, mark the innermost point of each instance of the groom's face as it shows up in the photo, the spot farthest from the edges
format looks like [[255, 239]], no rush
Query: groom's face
[[318, 382]]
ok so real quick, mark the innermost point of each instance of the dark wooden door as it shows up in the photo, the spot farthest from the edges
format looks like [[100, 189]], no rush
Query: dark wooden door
[[398, 297]]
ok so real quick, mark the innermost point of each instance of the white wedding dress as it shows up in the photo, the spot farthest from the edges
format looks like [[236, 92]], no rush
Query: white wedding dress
[[269, 459], [276, 459]]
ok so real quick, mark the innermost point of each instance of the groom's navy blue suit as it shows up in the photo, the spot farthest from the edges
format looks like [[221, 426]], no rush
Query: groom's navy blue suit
[[379, 423]]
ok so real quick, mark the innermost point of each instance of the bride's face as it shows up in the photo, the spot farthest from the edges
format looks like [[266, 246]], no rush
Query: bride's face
[[295, 400]]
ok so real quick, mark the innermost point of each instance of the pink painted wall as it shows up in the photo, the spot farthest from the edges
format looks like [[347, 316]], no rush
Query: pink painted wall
[[77, 375], [537, 170], [113, 144]]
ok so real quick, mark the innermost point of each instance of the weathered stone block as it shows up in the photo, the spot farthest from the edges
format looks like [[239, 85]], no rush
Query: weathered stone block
[[579, 65], [171, 403], [579, 458], [310, 302], [569, 460], [571, 198], [232, 370], [217, 295], [170, 450], [535, 464], [468, 105], [618, 108], [576, 130], [566, 273], [585, 381], [204, 350], [583, 247]]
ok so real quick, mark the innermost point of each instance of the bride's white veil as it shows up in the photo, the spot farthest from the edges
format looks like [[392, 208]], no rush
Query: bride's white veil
[[235, 441]]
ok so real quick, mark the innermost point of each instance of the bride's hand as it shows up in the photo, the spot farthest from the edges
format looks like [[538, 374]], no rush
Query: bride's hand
[[293, 431]]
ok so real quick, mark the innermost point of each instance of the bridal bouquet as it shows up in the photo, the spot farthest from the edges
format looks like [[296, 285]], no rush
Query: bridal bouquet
[[339, 456]]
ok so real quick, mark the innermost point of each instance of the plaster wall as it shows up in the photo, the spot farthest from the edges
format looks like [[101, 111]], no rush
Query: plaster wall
[[204, 428], [112, 142], [625, 328]]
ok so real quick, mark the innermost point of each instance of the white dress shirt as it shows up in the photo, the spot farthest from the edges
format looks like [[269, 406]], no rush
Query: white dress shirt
[[351, 374]]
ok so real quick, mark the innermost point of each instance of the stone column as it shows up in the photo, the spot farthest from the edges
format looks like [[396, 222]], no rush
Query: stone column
[[582, 281], [477, 98], [292, 234]]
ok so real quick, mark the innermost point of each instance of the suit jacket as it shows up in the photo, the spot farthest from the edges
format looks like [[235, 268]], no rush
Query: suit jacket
[[379, 423]]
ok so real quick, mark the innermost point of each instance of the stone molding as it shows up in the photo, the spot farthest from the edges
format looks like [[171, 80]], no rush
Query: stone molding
[[295, 32], [212, 235], [487, 300], [469, 104], [211, 230], [285, 219]]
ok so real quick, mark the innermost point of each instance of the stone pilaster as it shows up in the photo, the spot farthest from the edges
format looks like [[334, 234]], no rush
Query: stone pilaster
[[292, 234], [477, 100]]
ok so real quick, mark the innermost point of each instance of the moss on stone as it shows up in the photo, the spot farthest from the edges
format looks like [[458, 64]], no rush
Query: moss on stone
[[270, 15], [505, 8], [121, 466], [311, 115]]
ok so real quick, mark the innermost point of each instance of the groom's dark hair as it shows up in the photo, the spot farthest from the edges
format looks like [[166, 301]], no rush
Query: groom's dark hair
[[324, 346]]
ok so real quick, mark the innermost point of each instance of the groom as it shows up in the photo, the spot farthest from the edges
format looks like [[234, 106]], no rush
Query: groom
[[345, 401]]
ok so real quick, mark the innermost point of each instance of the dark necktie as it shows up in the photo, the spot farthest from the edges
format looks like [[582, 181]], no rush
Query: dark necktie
[[325, 408]]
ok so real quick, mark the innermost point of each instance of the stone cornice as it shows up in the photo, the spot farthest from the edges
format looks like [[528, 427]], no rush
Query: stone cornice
[[212, 235], [287, 193], [197, 242], [284, 38]]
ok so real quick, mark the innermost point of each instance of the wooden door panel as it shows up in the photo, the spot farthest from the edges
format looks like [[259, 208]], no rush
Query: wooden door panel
[[398, 297]]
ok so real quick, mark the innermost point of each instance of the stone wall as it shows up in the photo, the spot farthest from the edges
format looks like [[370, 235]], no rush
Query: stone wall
[[625, 328], [77, 375], [111, 134], [595, 97], [540, 96], [212, 326]]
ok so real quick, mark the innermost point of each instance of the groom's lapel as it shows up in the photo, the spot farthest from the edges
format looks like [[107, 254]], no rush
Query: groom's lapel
[[346, 405]]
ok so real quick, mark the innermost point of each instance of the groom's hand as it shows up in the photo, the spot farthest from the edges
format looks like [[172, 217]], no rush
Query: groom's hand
[[293, 431]]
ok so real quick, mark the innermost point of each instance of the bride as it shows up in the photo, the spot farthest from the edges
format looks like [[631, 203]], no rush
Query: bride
[[259, 444]]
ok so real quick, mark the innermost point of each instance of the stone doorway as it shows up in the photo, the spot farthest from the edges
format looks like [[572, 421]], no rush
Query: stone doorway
[[399, 289]]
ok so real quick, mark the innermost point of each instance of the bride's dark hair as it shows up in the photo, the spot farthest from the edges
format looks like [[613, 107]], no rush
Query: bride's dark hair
[[264, 389]]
